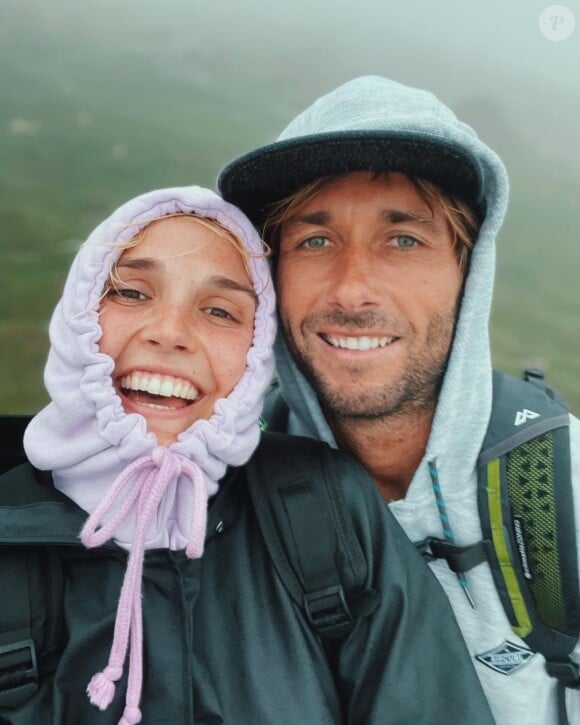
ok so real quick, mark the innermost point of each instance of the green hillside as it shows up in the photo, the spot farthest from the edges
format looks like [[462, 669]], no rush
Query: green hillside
[[85, 125]]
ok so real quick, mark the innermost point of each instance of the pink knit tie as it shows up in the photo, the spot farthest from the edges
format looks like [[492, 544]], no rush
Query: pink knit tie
[[151, 475]]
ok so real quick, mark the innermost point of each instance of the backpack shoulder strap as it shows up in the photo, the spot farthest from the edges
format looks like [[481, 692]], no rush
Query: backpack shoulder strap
[[32, 582], [31, 570], [296, 488], [275, 413], [12, 429], [527, 513], [31, 619]]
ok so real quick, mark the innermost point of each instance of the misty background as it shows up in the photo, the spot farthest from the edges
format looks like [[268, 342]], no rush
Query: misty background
[[104, 99]]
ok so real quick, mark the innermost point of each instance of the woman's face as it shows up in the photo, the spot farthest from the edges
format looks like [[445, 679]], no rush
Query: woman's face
[[178, 324]]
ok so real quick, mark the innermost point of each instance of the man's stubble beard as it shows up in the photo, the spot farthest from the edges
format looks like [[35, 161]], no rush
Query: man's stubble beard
[[415, 390]]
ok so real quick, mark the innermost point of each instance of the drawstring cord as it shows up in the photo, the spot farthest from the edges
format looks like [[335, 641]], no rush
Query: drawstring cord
[[152, 474], [447, 531]]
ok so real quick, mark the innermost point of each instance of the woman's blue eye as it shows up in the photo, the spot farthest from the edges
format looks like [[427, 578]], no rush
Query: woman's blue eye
[[404, 242], [133, 294], [128, 293], [219, 312], [315, 242]]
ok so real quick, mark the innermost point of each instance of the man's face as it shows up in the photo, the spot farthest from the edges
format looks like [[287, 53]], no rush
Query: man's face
[[368, 285]]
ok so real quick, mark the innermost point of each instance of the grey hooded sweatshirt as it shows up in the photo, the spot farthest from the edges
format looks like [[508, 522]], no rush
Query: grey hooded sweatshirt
[[527, 694]]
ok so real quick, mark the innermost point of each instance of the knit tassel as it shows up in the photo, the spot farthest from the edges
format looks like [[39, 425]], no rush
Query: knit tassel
[[101, 688], [153, 475], [131, 716], [194, 548]]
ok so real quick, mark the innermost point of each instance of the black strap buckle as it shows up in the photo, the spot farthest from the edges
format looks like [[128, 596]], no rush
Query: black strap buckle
[[458, 558], [18, 672], [567, 672], [328, 612]]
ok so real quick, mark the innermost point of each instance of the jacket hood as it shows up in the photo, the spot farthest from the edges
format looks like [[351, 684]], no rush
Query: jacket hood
[[84, 435], [464, 404]]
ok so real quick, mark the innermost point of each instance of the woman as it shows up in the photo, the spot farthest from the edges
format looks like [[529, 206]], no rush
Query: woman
[[161, 353]]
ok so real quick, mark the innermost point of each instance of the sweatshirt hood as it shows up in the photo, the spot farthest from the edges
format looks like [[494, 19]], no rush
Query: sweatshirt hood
[[141, 494], [380, 108], [84, 435]]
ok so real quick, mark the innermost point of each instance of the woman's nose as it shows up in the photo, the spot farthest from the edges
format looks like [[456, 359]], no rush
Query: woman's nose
[[171, 328]]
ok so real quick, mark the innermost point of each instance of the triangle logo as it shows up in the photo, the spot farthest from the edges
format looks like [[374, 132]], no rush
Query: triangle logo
[[523, 415]]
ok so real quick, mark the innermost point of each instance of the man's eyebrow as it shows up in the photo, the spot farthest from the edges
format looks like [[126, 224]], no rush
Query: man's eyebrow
[[315, 217], [396, 216], [219, 280]]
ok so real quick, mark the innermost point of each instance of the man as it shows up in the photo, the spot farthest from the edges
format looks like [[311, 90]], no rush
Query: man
[[382, 210]]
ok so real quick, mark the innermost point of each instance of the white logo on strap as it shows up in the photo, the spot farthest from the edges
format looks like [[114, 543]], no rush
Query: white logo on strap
[[525, 414]]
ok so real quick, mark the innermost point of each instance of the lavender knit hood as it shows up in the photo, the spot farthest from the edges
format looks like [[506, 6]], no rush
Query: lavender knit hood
[[141, 494], [84, 436]]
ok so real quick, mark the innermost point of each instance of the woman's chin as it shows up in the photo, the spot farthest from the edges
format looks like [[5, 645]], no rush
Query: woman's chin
[[164, 438]]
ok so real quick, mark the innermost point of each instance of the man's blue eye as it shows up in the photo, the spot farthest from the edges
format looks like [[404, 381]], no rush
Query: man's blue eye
[[404, 242]]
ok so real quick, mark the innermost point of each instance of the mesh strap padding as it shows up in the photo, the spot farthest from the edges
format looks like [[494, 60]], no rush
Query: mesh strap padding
[[530, 469]]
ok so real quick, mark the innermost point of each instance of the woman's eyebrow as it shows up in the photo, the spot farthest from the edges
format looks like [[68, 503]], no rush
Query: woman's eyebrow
[[219, 280], [142, 263]]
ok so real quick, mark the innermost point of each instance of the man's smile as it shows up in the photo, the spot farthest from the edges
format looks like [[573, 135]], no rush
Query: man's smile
[[358, 342]]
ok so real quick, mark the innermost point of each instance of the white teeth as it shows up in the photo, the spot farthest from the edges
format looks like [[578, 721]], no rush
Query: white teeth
[[154, 386], [165, 385], [359, 343], [166, 388]]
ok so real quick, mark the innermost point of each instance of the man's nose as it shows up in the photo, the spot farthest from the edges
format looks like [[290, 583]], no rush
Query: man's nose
[[171, 327], [353, 281]]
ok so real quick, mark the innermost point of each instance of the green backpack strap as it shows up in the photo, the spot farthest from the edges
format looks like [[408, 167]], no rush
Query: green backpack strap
[[527, 513], [296, 489]]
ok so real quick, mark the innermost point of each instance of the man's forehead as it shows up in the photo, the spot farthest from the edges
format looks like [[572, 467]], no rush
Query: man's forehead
[[393, 216], [390, 197]]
